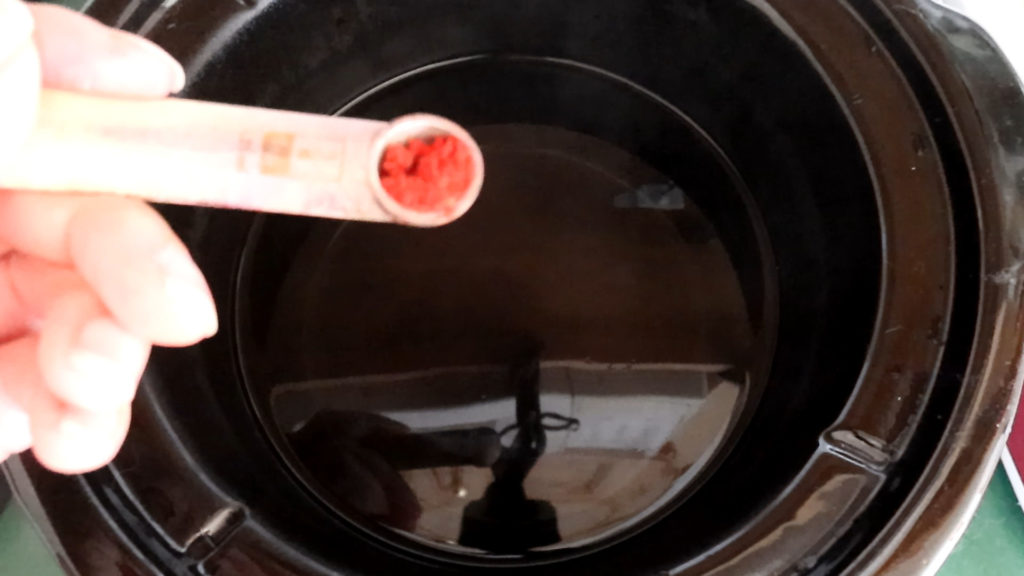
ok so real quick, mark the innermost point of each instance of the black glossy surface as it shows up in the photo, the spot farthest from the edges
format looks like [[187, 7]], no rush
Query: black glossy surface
[[578, 251], [778, 205], [789, 144], [965, 306]]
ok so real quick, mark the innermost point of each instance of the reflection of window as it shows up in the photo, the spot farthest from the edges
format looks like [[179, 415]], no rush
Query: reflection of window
[[620, 407]]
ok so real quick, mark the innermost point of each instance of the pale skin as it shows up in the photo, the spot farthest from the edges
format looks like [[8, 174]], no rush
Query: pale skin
[[87, 285]]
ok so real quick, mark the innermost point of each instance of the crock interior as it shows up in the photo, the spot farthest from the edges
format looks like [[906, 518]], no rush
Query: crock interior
[[670, 190]]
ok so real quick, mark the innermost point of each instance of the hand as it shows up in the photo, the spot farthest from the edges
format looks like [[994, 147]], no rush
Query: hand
[[342, 452], [87, 285]]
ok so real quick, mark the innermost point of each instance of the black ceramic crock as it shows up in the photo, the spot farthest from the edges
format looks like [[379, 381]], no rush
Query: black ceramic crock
[[858, 164]]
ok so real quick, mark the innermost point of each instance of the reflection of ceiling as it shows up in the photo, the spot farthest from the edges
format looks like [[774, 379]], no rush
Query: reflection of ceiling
[[544, 257]]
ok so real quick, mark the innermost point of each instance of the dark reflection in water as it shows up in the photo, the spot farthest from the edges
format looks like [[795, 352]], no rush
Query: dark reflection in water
[[551, 369]]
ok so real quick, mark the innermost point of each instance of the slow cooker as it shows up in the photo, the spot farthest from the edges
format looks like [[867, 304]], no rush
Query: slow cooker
[[741, 295]]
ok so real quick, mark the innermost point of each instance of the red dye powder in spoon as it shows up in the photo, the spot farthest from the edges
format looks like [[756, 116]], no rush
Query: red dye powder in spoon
[[427, 174]]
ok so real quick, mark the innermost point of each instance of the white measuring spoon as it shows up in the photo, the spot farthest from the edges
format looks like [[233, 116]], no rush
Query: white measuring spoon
[[196, 153]]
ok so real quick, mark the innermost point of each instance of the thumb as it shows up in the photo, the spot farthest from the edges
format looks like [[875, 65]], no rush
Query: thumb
[[80, 54], [19, 77]]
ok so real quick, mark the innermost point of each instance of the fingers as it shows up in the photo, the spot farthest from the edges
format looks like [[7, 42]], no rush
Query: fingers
[[75, 442], [126, 252], [87, 360], [66, 387], [19, 77], [78, 53], [37, 224], [63, 438], [106, 277], [68, 374], [66, 50], [28, 288]]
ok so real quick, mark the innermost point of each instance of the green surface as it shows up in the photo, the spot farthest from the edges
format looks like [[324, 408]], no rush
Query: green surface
[[73, 4], [993, 544], [22, 552]]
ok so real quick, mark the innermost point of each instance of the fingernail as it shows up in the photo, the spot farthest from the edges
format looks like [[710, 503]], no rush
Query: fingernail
[[78, 442], [15, 27], [176, 74], [187, 288], [178, 77], [133, 64], [105, 360]]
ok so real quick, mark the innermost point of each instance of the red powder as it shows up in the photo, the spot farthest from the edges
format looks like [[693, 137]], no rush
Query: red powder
[[427, 175]]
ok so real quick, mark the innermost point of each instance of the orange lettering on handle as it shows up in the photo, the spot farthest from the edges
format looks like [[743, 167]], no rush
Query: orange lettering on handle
[[277, 153]]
